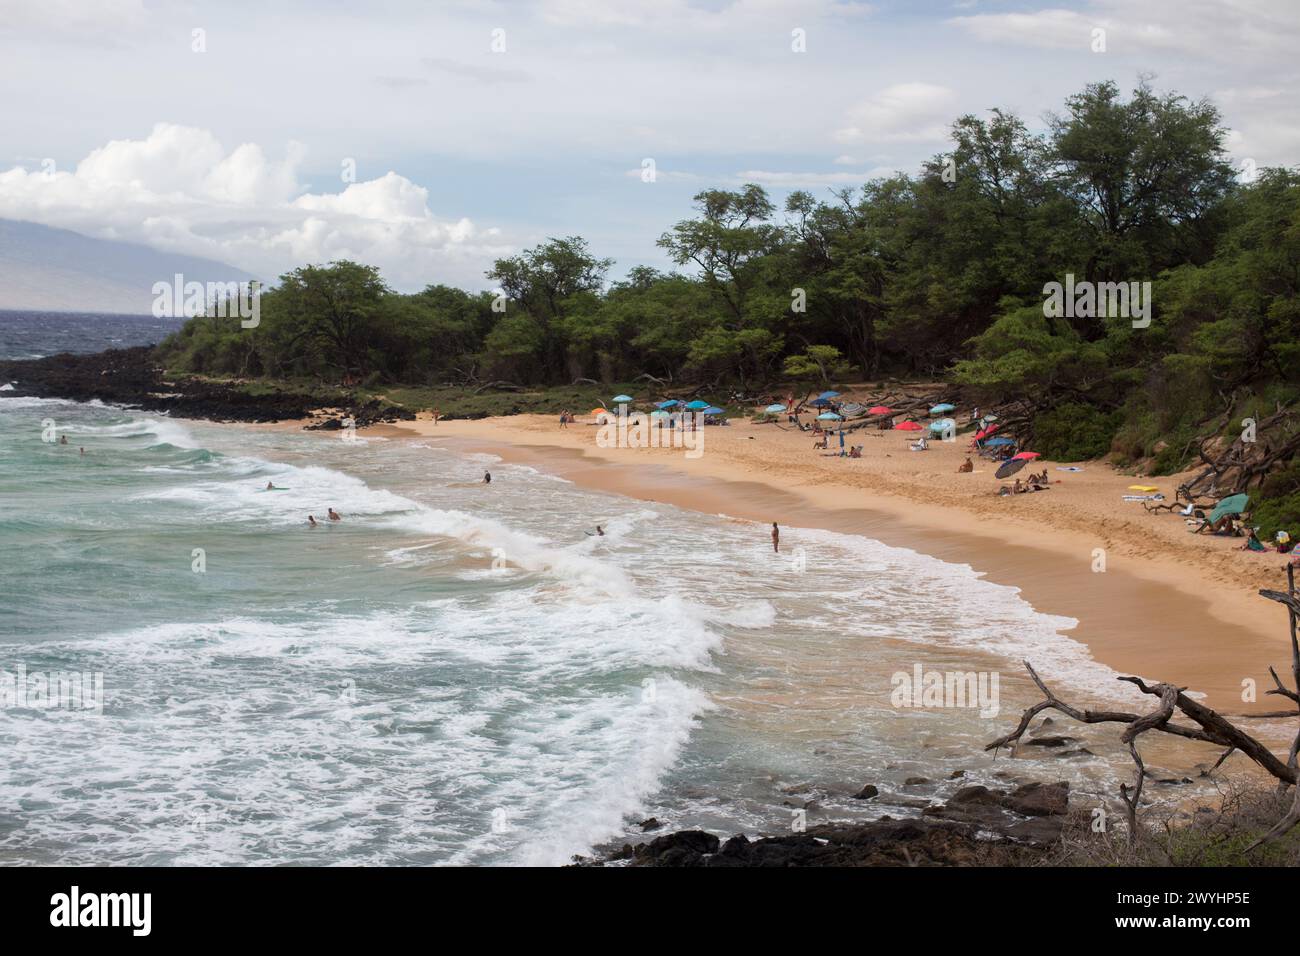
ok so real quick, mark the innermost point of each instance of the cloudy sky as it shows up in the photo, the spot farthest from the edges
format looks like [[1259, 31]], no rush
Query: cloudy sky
[[429, 138]]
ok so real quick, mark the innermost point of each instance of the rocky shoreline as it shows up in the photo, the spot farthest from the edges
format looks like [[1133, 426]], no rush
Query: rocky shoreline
[[976, 826], [131, 377]]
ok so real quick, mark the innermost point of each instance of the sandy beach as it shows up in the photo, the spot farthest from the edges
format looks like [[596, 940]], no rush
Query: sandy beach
[[1169, 605]]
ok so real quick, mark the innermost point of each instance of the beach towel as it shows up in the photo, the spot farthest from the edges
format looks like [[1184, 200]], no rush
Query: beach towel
[[1147, 488], [1144, 497]]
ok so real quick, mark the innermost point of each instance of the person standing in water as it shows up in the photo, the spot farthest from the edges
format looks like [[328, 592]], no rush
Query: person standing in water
[[487, 477], [311, 521], [776, 538], [63, 439], [334, 515]]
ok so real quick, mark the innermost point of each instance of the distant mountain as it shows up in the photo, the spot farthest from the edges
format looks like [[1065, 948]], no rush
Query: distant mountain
[[55, 270]]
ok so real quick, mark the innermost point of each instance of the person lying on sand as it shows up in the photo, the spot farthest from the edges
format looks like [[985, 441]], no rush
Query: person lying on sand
[[966, 466], [334, 515]]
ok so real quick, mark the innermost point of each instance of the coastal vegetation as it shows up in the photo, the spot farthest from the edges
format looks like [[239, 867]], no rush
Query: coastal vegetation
[[939, 275]]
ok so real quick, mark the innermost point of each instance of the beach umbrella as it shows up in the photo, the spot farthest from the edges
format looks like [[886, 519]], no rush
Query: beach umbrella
[[622, 398], [908, 427], [671, 403], [879, 410], [775, 409], [1028, 455], [820, 402], [715, 410], [943, 425], [829, 395], [829, 417], [697, 405], [942, 408], [999, 442], [659, 413], [986, 432], [601, 411], [1010, 467], [1232, 505]]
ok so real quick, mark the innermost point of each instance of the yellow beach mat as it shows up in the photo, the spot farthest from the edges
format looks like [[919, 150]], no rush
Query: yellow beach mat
[[1147, 488]]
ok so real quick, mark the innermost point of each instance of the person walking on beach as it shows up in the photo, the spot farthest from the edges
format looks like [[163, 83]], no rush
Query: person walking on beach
[[776, 538], [436, 413]]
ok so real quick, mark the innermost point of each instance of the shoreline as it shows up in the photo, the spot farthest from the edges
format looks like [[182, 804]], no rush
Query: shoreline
[[1145, 615]]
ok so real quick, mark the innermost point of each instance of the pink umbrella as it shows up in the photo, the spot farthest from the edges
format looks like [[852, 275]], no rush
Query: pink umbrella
[[1026, 455]]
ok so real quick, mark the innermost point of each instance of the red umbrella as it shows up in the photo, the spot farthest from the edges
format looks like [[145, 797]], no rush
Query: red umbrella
[[908, 427], [1026, 455], [879, 410], [986, 432]]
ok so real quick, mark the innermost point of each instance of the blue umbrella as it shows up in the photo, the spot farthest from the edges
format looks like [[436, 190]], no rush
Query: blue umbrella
[[943, 425], [775, 409], [622, 398], [697, 405], [820, 402], [829, 395], [671, 403], [714, 410], [941, 408], [998, 442]]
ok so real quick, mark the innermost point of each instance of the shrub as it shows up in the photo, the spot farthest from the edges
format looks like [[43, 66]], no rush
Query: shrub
[[1074, 432]]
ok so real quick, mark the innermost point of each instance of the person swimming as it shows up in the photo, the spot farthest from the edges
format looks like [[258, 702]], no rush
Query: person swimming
[[600, 531], [487, 477], [311, 520], [270, 486], [63, 439], [334, 515]]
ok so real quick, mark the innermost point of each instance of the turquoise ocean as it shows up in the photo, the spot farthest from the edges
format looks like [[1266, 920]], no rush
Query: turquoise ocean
[[456, 673]]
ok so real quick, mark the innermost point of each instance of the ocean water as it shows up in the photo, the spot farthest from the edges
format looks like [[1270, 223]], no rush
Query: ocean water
[[29, 335], [458, 673]]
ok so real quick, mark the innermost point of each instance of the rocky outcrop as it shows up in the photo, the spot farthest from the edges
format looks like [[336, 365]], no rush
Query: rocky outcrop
[[131, 377], [977, 826]]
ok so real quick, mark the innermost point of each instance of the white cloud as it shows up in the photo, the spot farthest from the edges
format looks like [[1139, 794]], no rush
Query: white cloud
[[904, 112], [179, 190], [797, 180]]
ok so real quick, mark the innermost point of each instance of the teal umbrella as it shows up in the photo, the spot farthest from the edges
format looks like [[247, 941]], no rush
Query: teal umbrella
[[622, 398], [943, 425], [775, 409], [1233, 505], [828, 417], [697, 405], [660, 413], [942, 408]]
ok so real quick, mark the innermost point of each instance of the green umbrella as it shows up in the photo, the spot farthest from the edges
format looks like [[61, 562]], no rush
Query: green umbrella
[[1232, 505]]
